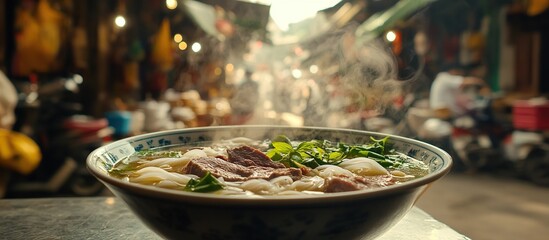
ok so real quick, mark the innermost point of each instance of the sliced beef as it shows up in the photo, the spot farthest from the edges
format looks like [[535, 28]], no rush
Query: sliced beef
[[232, 172], [345, 183], [270, 173], [249, 156], [218, 168]]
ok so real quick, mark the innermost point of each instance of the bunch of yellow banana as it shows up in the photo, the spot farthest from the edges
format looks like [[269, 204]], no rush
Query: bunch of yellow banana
[[18, 152]]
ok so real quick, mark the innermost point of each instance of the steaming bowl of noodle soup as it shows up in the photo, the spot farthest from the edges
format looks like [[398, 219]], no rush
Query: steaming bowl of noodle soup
[[268, 182]]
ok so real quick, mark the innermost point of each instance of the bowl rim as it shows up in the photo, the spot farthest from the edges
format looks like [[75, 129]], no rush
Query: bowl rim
[[203, 198]]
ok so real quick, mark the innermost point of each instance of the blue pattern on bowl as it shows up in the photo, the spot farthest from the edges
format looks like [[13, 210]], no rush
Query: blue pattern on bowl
[[198, 136], [349, 215]]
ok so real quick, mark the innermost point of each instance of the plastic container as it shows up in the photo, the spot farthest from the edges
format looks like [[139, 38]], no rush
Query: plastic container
[[531, 115], [120, 121]]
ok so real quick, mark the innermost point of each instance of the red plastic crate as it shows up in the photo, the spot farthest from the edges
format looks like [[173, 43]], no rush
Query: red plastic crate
[[531, 115]]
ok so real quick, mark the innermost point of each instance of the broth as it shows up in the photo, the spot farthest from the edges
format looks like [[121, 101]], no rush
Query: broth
[[279, 166]]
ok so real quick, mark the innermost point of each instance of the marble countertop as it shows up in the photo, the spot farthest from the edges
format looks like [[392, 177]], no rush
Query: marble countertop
[[109, 218]]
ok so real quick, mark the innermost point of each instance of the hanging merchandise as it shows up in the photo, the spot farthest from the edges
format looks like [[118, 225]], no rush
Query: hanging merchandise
[[162, 55], [472, 46], [38, 40], [492, 11], [80, 47], [536, 7], [135, 54]]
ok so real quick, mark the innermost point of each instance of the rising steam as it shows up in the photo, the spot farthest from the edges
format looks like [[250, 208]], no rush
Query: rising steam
[[367, 70], [370, 75]]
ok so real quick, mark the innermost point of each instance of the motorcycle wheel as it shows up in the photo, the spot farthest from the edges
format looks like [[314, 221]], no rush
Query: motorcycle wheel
[[536, 167], [83, 184], [478, 157]]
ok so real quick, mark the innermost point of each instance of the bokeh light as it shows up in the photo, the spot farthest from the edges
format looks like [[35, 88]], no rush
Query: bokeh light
[[229, 67], [391, 36], [296, 73], [177, 37], [313, 69], [217, 71], [196, 47], [120, 21], [171, 4], [182, 46]]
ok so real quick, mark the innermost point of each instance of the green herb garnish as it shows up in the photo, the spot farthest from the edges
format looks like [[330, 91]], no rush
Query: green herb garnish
[[315, 152], [208, 183]]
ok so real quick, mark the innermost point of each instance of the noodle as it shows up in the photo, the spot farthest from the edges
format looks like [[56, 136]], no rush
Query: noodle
[[282, 181], [167, 171], [308, 184], [363, 166], [260, 186], [169, 184], [152, 175], [326, 171]]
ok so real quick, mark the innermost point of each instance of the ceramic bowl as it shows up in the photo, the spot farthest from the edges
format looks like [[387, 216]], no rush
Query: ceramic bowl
[[363, 214]]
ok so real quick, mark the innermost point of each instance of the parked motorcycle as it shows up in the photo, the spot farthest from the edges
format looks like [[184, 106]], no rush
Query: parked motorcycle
[[466, 137], [50, 112], [528, 145], [479, 141]]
